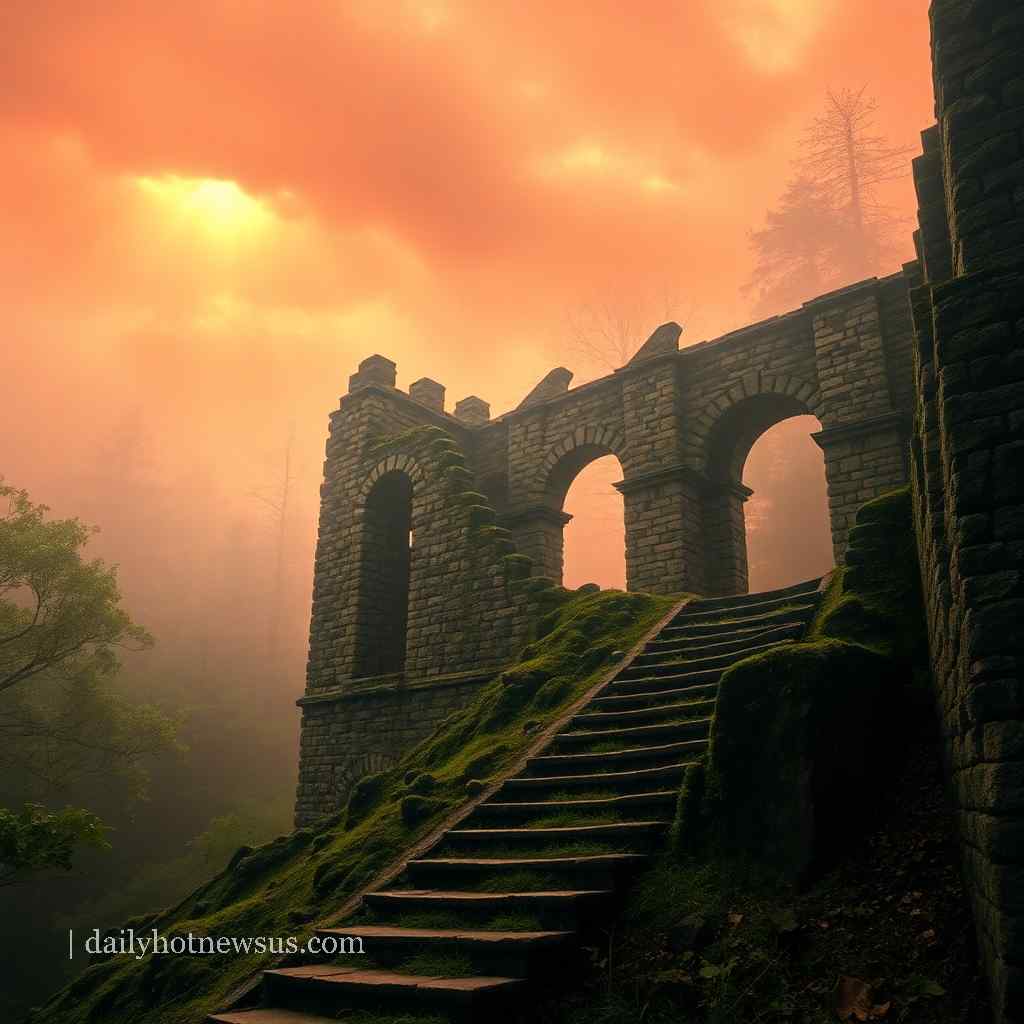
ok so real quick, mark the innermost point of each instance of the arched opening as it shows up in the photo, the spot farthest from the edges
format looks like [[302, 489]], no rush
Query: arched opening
[[384, 577], [595, 538], [766, 517], [788, 533], [584, 536]]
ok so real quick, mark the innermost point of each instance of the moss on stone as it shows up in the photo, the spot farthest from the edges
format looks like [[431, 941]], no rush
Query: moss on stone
[[416, 808], [422, 783], [414, 439], [365, 796], [469, 498], [480, 515], [322, 866], [457, 478], [516, 567], [801, 731]]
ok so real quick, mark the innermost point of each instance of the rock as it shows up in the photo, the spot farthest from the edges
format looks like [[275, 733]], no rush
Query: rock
[[692, 933]]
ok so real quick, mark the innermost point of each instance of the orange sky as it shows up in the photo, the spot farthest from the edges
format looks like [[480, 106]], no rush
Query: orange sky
[[211, 211]]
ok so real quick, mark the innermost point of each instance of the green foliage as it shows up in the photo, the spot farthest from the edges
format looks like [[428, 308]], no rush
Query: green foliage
[[422, 783], [366, 795], [56, 610], [263, 889], [35, 840], [60, 627], [419, 808]]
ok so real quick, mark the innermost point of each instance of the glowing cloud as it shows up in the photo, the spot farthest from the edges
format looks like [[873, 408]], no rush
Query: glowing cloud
[[774, 34], [213, 205]]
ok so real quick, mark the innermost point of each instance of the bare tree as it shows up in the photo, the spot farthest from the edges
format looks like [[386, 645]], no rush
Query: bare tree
[[847, 158], [277, 498], [605, 332], [830, 226]]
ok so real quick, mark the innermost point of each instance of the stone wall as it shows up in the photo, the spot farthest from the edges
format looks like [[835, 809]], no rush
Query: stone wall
[[348, 735], [968, 452], [481, 500]]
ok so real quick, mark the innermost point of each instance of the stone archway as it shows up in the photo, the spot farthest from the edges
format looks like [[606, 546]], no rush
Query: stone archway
[[385, 566], [539, 527], [728, 428]]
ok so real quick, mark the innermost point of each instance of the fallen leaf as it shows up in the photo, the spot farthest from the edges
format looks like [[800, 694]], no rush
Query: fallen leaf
[[852, 998], [735, 919]]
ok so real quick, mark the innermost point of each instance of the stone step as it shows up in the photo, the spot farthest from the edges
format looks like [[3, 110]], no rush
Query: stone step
[[593, 720], [269, 1015], [554, 909], [639, 778], [700, 612], [602, 866], [696, 663], [628, 803], [739, 600], [333, 988], [627, 831], [655, 682], [652, 699], [399, 900], [695, 728], [724, 630], [546, 763], [487, 948], [659, 650], [490, 952]]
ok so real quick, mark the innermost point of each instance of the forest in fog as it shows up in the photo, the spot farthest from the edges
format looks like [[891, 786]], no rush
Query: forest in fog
[[179, 323]]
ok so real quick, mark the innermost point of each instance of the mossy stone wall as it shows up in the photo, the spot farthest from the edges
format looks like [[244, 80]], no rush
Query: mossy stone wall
[[968, 463]]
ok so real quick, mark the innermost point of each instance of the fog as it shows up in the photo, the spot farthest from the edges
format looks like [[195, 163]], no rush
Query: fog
[[200, 247]]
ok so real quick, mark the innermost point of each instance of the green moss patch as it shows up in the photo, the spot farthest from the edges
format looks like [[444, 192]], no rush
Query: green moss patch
[[304, 876], [802, 733]]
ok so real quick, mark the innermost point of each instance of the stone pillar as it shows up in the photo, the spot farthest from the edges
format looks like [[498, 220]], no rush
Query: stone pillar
[[862, 461], [664, 546], [374, 370], [429, 393], [473, 411], [537, 533], [725, 530]]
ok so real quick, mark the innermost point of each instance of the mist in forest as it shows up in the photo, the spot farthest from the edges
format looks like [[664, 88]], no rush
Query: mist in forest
[[201, 248]]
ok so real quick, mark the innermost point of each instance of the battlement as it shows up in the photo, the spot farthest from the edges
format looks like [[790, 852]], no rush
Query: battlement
[[381, 372]]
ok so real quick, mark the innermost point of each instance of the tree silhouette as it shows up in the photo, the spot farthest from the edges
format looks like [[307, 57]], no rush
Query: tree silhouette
[[606, 332], [848, 160], [830, 227], [795, 249]]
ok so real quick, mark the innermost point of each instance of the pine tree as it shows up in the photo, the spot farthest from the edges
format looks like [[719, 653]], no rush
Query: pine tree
[[795, 249], [830, 227], [848, 160]]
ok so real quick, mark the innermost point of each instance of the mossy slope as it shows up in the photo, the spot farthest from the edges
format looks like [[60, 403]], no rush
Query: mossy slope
[[280, 889], [797, 729]]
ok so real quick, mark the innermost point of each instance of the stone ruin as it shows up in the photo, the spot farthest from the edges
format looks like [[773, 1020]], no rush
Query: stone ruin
[[415, 600]]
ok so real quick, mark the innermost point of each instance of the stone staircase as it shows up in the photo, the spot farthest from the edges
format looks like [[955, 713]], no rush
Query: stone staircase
[[498, 906]]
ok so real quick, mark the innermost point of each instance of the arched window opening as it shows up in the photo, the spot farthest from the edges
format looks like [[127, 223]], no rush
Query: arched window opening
[[384, 578], [595, 538], [766, 517], [789, 537]]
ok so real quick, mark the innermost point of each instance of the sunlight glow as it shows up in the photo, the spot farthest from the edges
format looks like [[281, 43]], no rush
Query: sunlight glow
[[215, 205]]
